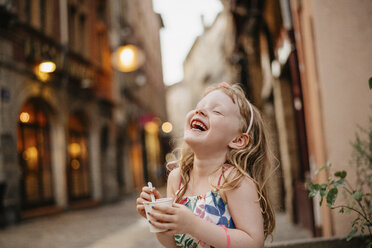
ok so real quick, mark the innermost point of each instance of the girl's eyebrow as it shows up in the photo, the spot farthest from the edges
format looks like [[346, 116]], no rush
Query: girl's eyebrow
[[214, 105]]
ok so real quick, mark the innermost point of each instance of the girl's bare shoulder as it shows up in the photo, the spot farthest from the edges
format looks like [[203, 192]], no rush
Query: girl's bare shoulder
[[174, 179], [246, 184], [174, 174], [247, 188]]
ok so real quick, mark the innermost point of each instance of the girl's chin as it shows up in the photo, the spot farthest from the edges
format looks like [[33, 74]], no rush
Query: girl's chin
[[193, 140], [194, 135], [199, 141], [204, 147]]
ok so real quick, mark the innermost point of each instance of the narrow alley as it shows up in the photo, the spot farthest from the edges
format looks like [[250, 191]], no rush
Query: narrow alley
[[114, 225], [98, 98]]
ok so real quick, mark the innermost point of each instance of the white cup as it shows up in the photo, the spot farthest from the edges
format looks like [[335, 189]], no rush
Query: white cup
[[148, 208]]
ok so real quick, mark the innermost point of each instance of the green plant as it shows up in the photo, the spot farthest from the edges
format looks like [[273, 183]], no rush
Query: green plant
[[358, 198]]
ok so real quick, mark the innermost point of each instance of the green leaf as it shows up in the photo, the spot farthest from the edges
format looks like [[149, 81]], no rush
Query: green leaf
[[351, 233], [331, 196], [357, 195], [341, 174], [310, 186], [323, 189], [312, 193], [341, 210], [313, 188], [370, 83], [340, 182]]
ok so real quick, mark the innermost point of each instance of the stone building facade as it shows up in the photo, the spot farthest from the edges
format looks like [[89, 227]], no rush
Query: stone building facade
[[74, 137], [140, 94], [291, 52], [334, 51]]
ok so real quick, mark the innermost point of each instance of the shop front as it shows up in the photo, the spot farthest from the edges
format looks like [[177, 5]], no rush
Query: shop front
[[34, 152], [77, 169]]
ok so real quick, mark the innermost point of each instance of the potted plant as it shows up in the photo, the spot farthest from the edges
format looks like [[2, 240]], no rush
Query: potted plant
[[358, 197]]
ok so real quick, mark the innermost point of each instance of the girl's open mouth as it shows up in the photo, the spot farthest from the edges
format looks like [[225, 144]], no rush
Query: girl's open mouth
[[197, 124]]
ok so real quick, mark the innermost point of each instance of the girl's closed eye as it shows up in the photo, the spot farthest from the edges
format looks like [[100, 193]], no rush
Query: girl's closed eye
[[217, 111]]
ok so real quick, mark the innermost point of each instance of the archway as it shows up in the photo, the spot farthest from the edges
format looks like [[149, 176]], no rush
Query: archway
[[35, 154], [78, 173]]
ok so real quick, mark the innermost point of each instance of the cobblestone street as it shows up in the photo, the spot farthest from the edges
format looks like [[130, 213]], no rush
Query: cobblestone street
[[113, 225]]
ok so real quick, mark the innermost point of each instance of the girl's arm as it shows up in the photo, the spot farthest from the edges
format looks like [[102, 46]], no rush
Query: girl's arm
[[244, 208], [167, 238]]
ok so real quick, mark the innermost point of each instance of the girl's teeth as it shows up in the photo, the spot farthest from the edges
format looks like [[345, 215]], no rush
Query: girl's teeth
[[196, 124]]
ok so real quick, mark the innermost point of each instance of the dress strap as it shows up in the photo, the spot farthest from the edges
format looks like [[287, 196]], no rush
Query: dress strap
[[223, 171]]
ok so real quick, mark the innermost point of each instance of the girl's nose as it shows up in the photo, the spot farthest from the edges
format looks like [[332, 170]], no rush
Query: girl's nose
[[200, 112]]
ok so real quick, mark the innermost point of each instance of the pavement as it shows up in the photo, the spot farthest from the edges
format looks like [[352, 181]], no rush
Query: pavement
[[285, 230], [113, 225]]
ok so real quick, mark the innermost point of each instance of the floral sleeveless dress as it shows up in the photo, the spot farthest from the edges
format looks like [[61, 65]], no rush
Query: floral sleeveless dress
[[210, 207]]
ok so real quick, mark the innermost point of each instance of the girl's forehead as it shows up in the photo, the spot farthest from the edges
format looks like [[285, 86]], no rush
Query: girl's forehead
[[218, 97]]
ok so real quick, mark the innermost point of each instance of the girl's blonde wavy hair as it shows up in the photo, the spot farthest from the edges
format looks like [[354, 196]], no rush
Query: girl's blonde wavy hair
[[254, 161]]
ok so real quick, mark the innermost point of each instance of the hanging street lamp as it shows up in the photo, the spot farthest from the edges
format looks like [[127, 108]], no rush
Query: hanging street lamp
[[128, 58], [43, 70]]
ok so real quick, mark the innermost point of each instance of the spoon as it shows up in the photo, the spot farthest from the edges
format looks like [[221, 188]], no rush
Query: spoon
[[152, 195]]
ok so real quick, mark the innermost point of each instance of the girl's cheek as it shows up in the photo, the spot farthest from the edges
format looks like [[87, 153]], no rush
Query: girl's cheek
[[188, 116]]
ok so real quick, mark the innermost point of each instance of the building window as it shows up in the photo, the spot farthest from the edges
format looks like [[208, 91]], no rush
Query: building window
[[101, 33], [77, 27], [28, 11], [43, 15], [38, 14], [71, 26], [34, 155], [82, 36], [78, 175]]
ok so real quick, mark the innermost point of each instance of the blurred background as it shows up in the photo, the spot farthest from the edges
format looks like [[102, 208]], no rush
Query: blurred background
[[94, 95]]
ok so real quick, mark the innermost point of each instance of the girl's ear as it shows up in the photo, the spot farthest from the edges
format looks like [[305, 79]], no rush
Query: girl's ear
[[239, 142]]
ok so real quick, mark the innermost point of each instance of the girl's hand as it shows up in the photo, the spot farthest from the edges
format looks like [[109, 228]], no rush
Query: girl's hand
[[176, 219], [145, 196]]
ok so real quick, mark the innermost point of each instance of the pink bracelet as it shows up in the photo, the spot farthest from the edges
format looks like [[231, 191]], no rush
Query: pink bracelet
[[227, 235]]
